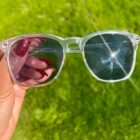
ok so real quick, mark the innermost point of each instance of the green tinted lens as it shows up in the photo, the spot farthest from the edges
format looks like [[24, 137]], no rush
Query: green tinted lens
[[109, 56]]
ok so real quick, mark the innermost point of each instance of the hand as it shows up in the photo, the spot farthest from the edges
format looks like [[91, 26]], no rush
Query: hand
[[12, 96]]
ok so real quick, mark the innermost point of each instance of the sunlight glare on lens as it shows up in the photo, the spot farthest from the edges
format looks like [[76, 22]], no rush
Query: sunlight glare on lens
[[113, 55], [116, 59], [108, 47]]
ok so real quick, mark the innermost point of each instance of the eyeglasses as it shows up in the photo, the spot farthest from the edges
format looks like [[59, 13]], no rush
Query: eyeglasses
[[37, 59]]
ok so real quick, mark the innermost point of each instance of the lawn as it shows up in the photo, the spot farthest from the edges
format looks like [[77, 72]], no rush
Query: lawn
[[76, 106]]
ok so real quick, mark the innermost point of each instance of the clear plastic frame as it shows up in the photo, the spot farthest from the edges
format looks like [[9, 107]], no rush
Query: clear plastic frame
[[78, 47]]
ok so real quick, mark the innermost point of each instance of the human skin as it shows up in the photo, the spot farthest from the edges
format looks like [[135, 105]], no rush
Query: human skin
[[11, 99]]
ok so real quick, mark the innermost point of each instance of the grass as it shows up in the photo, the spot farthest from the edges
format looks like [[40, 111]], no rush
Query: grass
[[76, 106]]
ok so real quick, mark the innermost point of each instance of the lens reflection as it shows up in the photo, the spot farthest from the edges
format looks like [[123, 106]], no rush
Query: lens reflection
[[110, 57]]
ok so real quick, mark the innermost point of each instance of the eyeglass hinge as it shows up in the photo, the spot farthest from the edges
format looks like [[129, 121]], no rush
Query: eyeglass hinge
[[136, 38], [3, 46]]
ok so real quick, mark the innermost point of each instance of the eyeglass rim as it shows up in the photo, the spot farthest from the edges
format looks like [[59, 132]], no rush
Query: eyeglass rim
[[7, 43], [32, 86], [134, 45], [134, 38]]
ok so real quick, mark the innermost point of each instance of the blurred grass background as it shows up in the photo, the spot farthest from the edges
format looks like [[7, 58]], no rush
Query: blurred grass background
[[76, 106]]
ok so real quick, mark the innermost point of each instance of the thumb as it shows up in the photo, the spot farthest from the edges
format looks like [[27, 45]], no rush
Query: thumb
[[5, 80]]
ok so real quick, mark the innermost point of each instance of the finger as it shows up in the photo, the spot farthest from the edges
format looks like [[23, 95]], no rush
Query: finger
[[47, 61], [47, 75], [25, 45], [22, 47], [18, 101], [35, 63], [50, 71], [30, 73], [39, 81], [35, 42], [29, 82], [18, 55], [16, 63], [5, 81]]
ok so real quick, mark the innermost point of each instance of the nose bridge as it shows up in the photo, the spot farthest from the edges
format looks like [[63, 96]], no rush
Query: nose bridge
[[73, 45]]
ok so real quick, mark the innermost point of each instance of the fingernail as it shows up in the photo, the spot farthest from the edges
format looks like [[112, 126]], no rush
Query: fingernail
[[22, 47], [42, 72]]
